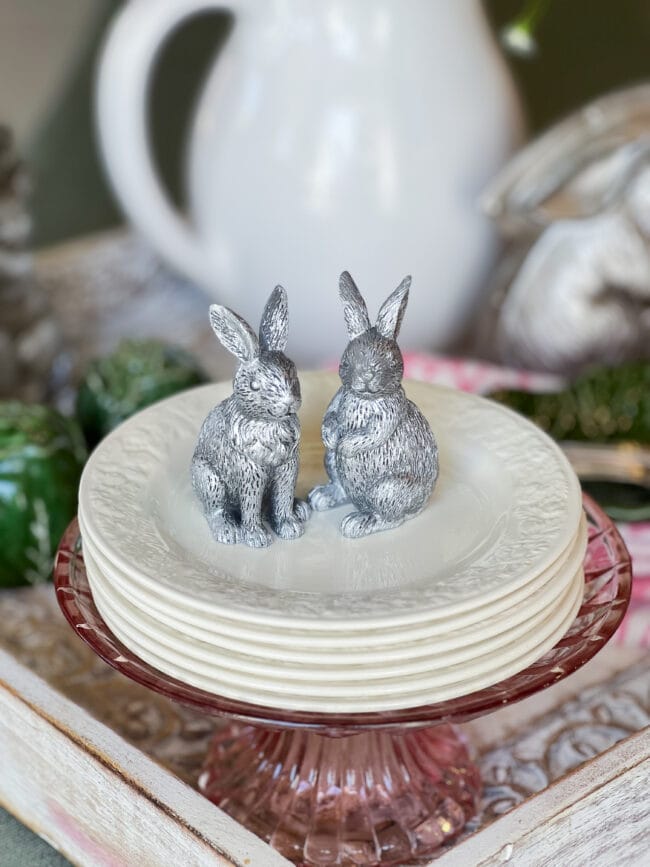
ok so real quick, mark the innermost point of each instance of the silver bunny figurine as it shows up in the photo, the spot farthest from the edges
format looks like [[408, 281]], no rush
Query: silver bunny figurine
[[380, 452], [246, 459]]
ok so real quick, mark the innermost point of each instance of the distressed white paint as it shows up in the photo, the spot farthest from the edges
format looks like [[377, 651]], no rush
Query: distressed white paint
[[99, 800]]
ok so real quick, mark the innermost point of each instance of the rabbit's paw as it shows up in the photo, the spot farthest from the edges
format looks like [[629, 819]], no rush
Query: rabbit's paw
[[301, 510], [330, 434], [223, 529], [327, 496], [255, 537], [351, 445], [358, 524], [290, 528]]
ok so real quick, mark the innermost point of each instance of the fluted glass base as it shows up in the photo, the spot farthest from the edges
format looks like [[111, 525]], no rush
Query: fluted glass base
[[371, 798]]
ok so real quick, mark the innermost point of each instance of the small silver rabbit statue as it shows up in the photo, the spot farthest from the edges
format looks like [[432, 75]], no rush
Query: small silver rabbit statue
[[245, 464], [380, 452]]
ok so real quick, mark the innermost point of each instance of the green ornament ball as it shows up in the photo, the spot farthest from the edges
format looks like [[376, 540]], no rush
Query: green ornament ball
[[42, 454]]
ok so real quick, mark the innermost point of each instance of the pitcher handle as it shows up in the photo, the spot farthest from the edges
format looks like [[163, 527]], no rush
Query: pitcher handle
[[124, 75]]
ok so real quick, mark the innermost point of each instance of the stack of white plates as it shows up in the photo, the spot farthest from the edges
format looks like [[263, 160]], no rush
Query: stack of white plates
[[481, 584]]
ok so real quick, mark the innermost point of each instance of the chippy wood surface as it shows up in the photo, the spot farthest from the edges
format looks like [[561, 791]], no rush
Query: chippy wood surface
[[106, 770], [92, 789], [98, 799]]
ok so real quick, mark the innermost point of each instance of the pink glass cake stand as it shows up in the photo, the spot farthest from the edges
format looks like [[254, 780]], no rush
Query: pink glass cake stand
[[368, 788]]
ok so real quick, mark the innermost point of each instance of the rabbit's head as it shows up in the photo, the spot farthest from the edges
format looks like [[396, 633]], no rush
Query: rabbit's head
[[266, 382], [372, 364]]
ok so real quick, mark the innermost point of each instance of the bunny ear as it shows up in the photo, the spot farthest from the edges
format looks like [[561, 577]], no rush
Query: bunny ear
[[392, 310], [274, 327], [355, 311], [234, 333]]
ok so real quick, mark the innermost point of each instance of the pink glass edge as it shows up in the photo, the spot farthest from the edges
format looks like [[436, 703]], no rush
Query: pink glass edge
[[73, 594]]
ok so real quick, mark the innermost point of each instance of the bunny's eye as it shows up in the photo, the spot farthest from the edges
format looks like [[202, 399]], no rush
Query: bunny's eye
[[254, 384]]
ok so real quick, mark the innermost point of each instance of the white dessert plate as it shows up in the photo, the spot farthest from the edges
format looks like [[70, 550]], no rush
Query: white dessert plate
[[172, 645], [507, 505], [359, 701], [389, 643]]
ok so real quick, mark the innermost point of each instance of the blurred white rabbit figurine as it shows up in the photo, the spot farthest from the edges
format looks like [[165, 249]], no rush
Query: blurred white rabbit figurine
[[246, 458], [381, 454]]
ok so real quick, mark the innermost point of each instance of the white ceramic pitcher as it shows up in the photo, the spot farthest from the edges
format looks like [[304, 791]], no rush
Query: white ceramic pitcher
[[329, 135]]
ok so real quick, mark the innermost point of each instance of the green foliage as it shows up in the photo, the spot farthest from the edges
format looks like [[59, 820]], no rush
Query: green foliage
[[137, 374], [606, 405], [41, 457]]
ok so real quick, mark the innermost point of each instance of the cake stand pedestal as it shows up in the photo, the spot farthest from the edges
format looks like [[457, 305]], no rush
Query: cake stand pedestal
[[369, 788], [375, 797]]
